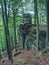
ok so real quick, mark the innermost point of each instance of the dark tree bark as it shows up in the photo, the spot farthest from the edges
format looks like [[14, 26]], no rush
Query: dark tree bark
[[7, 33], [7, 36], [40, 15], [47, 42], [47, 6], [4, 26]]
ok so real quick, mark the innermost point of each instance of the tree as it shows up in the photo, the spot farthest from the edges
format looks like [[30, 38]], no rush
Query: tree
[[14, 19], [47, 6], [36, 21], [7, 35], [15, 7], [35, 12]]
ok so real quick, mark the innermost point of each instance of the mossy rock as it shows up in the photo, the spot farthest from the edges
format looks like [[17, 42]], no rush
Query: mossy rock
[[46, 52]]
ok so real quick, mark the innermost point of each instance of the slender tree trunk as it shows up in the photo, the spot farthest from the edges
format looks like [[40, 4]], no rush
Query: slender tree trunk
[[8, 19], [8, 8], [36, 20], [5, 21], [38, 32], [40, 18], [47, 6], [14, 19], [35, 12], [40, 15], [12, 43], [4, 27]]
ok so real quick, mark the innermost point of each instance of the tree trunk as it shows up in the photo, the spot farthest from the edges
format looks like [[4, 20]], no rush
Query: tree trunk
[[5, 22], [14, 19], [36, 20], [35, 12], [8, 8], [47, 5]]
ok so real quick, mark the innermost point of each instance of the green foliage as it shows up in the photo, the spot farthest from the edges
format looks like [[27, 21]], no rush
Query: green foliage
[[27, 1], [42, 1]]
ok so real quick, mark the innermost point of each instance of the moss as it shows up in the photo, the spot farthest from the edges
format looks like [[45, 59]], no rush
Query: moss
[[20, 61], [46, 52]]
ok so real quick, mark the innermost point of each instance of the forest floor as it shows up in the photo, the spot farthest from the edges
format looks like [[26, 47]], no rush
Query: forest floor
[[28, 58]]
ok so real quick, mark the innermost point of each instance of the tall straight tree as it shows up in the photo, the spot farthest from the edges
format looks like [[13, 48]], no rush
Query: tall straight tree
[[7, 36], [7, 32], [14, 19], [35, 12], [36, 20], [47, 6], [15, 5]]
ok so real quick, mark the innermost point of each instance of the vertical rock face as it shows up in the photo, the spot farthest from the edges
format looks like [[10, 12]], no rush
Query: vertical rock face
[[42, 39], [24, 27], [28, 34], [31, 39]]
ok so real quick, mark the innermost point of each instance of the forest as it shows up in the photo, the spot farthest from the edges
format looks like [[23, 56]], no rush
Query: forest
[[24, 32]]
